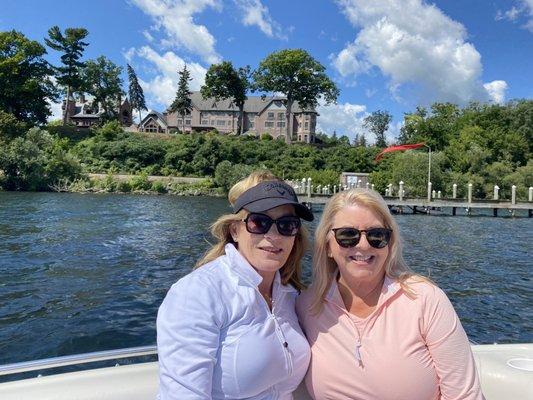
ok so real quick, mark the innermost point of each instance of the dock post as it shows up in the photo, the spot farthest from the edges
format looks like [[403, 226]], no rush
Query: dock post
[[454, 211], [495, 212], [429, 191], [496, 192], [390, 189], [513, 194], [309, 187], [367, 185], [439, 194], [372, 186], [304, 186], [470, 193], [334, 189], [400, 193], [530, 198], [433, 194], [454, 191]]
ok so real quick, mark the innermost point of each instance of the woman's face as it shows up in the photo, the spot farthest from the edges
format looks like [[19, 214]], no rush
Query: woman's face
[[361, 264], [266, 252]]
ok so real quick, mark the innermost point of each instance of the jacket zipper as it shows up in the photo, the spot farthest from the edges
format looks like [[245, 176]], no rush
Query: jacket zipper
[[279, 333]]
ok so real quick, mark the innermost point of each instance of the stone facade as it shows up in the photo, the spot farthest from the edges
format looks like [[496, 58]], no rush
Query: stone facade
[[82, 114], [261, 116]]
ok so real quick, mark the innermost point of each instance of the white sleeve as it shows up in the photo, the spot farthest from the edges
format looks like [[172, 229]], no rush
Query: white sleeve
[[188, 327]]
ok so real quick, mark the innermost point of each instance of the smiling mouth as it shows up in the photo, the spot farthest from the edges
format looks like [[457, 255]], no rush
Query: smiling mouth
[[271, 250], [361, 258]]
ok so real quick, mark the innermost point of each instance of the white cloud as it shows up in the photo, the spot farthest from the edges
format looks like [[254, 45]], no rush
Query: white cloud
[[416, 46], [522, 10], [176, 17], [148, 36], [255, 13], [344, 119], [57, 112], [161, 89], [496, 90]]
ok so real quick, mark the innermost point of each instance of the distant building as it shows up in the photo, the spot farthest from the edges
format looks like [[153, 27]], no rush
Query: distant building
[[80, 112], [261, 116], [354, 179]]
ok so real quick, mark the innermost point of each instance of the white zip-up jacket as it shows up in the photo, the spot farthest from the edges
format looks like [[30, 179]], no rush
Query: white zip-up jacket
[[217, 338]]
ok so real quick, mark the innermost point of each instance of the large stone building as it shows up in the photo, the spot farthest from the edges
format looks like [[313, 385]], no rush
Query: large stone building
[[81, 113], [261, 115]]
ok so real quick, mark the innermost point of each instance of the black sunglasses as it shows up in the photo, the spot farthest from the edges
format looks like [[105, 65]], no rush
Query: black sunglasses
[[349, 237], [260, 223]]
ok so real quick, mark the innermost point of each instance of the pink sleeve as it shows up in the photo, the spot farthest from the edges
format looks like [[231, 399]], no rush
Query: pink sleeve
[[449, 348]]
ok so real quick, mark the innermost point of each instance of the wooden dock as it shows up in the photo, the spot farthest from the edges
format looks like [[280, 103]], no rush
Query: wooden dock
[[417, 205]]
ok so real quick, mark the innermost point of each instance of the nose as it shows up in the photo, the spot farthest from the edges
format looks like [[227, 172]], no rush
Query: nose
[[273, 232], [363, 242]]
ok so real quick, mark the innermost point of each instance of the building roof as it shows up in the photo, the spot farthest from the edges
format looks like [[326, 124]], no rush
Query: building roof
[[159, 116], [253, 104]]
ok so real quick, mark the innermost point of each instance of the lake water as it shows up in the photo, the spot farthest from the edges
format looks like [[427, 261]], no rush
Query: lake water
[[83, 272]]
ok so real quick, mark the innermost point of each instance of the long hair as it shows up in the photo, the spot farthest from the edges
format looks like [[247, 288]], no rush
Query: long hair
[[324, 267], [291, 272]]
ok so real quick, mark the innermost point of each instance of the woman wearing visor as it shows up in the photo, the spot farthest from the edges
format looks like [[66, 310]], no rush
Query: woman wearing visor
[[229, 330], [377, 330]]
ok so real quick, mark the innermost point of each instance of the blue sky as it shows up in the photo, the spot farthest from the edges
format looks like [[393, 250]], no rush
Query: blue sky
[[383, 54]]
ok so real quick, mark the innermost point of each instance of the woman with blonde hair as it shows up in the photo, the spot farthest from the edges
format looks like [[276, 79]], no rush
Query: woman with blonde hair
[[376, 329], [229, 330]]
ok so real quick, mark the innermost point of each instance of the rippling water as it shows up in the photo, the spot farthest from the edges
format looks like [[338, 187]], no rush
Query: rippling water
[[83, 273]]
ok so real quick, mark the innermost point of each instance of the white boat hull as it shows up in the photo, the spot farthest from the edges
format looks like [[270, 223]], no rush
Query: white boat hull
[[506, 373]]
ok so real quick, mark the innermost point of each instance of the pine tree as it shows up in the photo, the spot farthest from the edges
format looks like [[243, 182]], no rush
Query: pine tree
[[182, 104], [72, 46], [135, 93]]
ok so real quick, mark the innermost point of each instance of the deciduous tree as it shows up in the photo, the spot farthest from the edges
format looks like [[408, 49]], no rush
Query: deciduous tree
[[223, 81], [103, 82], [297, 75], [378, 123], [25, 78]]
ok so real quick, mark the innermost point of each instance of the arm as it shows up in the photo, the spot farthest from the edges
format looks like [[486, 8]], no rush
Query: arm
[[188, 326], [450, 350]]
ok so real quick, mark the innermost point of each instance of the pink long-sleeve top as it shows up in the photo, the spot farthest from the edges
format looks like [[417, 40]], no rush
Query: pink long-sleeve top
[[409, 348]]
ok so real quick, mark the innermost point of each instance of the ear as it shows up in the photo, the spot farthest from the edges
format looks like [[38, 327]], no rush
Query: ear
[[233, 231], [328, 250]]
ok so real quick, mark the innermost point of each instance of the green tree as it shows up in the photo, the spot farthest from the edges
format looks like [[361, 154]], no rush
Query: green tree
[[103, 81], [223, 81], [297, 75], [378, 123], [25, 84], [136, 93], [72, 46], [182, 103]]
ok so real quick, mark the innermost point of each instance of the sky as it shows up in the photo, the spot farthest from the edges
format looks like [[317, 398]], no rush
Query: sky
[[391, 55]]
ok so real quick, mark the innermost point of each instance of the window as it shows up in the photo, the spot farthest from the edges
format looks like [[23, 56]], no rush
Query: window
[[205, 122], [179, 121], [281, 116], [221, 122], [269, 124], [281, 124], [305, 138], [212, 122], [306, 125], [270, 115], [300, 138], [187, 122], [251, 124]]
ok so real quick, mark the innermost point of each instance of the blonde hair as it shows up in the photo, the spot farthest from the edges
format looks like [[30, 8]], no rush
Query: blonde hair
[[291, 272], [324, 267]]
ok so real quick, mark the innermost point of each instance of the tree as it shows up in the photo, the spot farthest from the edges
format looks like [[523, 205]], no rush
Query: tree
[[135, 92], [25, 84], [72, 46], [103, 82], [182, 104], [223, 81], [359, 140], [378, 123], [298, 76]]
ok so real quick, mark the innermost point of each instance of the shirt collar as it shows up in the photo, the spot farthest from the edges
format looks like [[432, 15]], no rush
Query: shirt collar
[[244, 270]]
